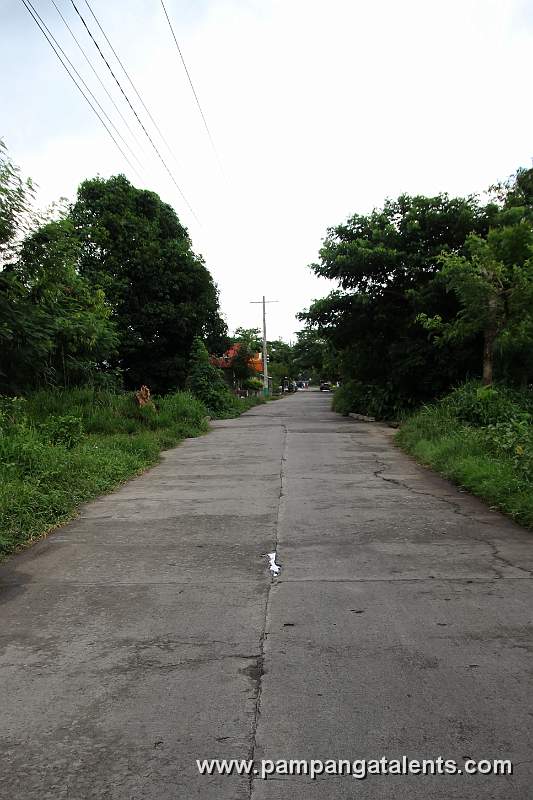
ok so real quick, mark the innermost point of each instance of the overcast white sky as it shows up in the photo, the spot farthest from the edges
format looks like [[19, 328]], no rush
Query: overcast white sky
[[318, 110]]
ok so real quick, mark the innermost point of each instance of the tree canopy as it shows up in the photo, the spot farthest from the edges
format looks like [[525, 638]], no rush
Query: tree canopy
[[108, 288], [134, 248], [390, 269], [55, 327]]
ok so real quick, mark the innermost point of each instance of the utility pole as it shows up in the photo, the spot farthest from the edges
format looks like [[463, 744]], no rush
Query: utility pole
[[265, 350]]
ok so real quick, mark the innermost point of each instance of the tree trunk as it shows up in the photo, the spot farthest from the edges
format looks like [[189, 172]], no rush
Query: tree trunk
[[488, 357], [491, 331]]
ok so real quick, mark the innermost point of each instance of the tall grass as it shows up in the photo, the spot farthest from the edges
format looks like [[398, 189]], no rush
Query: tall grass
[[482, 439], [59, 449]]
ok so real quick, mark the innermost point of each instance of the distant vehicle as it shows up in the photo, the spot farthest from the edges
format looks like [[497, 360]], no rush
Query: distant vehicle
[[325, 387], [289, 386]]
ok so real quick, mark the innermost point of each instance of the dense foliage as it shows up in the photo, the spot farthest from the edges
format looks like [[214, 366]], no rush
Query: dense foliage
[[16, 198], [431, 290], [207, 383], [314, 357], [281, 365], [56, 326], [249, 344], [106, 291], [134, 248]]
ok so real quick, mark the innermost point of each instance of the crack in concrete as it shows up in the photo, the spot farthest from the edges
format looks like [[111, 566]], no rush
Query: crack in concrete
[[454, 505], [495, 552], [496, 555], [257, 676]]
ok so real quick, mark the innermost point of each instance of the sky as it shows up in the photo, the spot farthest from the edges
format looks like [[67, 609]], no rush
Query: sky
[[318, 110]]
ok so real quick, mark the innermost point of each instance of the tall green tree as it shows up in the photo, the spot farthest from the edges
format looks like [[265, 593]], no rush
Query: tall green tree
[[249, 344], [494, 285], [16, 206], [58, 329], [135, 249], [54, 327], [385, 264], [251, 337], [16, 196], [281, 362], [314, 356]]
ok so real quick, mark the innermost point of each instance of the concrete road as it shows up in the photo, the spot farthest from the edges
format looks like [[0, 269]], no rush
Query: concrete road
[[149, 633]]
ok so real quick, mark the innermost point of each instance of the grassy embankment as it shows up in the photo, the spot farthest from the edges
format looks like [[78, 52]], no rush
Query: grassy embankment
[[59, 449], [482, 439]]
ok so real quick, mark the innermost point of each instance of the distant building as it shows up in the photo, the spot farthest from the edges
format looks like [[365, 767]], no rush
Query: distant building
[[225, 361]]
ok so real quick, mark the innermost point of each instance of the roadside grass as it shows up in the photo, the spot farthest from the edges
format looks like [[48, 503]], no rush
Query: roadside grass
[[59, 449], [480, 442]]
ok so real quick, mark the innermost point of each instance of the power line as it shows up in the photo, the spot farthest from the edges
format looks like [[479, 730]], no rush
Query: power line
[[80, 77], [191, 85], [176, 184], [33, 13], [126, 73], [97, 76]]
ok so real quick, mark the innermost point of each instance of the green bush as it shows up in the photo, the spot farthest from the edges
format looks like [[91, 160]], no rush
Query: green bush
[[253, 384], [206, 382], [484, 405], [512, 440], [181, 406], [66, 430], [360, 398]]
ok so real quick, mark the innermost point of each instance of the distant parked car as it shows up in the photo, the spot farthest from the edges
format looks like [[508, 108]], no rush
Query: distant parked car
[[325, 387]]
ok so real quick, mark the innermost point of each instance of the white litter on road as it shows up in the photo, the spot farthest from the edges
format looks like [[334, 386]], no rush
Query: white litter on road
[[274, 568]]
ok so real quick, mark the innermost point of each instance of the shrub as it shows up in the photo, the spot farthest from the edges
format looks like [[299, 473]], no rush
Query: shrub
[[512, 439], [483, 405], [206, 382], [253, 384], [181, 406], [361, 398], [13, 410], [66, 430]]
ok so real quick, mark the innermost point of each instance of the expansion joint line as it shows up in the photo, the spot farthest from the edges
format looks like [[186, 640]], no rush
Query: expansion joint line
[[261, 657]]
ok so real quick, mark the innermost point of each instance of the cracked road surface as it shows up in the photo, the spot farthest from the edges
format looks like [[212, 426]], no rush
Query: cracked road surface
[[149, 632]]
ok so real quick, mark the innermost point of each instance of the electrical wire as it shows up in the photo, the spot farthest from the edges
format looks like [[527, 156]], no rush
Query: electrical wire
[[80, 78], [36, 17], [206, 126], [126, 73], [95, 73], [176, 184]]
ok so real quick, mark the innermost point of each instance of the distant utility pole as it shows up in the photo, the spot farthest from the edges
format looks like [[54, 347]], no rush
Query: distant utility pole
[[265, 351]]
